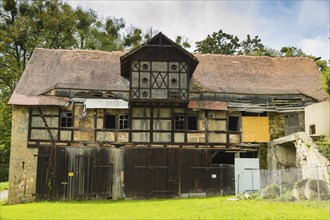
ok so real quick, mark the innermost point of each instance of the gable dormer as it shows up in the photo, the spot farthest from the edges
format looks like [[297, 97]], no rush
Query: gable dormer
[[158, 70]]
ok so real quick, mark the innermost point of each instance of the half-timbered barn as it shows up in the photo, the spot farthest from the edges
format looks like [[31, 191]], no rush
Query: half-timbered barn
[[154, 122]]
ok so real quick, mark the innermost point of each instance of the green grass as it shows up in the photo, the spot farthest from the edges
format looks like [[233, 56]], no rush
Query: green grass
[[3, 186], [198, 208]]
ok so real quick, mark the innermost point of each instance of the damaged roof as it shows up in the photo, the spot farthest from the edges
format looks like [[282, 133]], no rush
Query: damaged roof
[[257, 75], [98, 70], [77, 69]]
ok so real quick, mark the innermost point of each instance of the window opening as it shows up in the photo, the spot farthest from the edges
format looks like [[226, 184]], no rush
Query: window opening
[[123, 121], [145, 66], [312, 129], [192, 122], [254, 113], [110, 121], [233, 123], [179, 122], [174, 94], [173, 81], [218, 157], [144, 94], [174, 67], [144, 80], [66, 119]]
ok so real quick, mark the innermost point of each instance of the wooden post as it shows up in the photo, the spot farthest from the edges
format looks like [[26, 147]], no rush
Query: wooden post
[[118, 174]]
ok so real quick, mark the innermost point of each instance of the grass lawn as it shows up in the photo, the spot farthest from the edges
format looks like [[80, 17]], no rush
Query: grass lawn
[[197, 208], [3, 186]]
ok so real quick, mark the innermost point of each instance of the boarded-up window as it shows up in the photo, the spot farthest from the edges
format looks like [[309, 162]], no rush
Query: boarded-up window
[[255, 129], [110, 121], [66, 119]]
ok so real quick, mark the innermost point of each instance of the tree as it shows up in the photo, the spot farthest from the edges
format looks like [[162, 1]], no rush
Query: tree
[[326, 80], [291, 51], [25, 25], [251, 46], [182, 41], [218, 43]]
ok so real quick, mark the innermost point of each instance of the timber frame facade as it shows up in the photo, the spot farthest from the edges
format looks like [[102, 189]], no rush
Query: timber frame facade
[[157, 121]]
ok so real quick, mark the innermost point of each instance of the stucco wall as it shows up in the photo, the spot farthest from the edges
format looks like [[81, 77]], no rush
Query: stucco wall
[[319, 115]]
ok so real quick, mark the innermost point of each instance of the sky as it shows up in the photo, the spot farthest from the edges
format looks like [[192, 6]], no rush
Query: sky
[[303, 24]]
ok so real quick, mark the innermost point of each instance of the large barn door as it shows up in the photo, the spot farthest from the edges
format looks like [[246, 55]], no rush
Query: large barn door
[[174, 172], [79, 173], [200, 175], [151, 173]]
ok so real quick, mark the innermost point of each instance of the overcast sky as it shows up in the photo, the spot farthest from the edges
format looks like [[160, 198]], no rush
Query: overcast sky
[[304, 24]]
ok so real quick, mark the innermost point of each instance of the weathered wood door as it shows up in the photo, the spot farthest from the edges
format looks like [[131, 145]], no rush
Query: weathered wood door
[[79, 173], [161, 172], [151, 173]]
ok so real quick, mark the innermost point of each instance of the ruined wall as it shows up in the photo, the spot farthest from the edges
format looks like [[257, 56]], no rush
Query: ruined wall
[[88, 125], [299, 151], [276, 125], [23, 162]]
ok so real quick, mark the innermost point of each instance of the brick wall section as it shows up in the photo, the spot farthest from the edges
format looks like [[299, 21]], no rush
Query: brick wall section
[[22, 178]]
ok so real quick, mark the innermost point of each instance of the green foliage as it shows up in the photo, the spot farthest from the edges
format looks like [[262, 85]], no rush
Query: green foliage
[[262, 155], [182, 41], [218, 43], [291, 51], [3, 186], [326, 80], [5, 131], [251, 46], [323, 145], [194, 208]]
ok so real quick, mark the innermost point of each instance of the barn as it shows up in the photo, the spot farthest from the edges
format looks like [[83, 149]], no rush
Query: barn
[[155, 122]]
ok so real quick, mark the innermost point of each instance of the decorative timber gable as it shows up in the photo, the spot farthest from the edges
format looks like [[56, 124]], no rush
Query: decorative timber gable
[[158, 70]]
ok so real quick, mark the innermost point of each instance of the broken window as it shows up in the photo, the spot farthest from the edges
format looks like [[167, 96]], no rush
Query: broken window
[[233, 123], [109, 121], [123, 121], [66, 119], [179, 122], [192, 122]]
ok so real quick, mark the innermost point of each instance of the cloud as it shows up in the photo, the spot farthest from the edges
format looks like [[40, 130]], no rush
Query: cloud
[[318, 46], [278, 23]]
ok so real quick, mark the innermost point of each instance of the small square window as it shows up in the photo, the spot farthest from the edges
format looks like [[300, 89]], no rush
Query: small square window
[[66, 118], [312, 129]]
